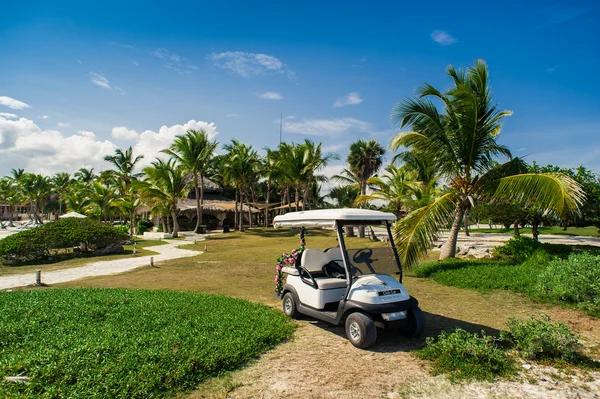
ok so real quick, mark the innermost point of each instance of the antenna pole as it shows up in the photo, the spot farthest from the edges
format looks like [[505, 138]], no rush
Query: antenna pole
[[281, 127]]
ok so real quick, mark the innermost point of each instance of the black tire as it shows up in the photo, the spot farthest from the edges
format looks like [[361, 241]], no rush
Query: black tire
[[361, 330], [289, 306], [416, 323]]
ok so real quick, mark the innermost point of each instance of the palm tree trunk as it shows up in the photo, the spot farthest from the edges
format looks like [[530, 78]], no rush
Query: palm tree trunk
[[165, 227], [305, 198], [298, 198], [363, 191], [241, 224], [10, 217], [175, 223], [534, 228], [198, 210], [201, 199], [466, 221], [516, 228], [287, 196], [235, 216], [249, 213], [267, 200], [449, 247]]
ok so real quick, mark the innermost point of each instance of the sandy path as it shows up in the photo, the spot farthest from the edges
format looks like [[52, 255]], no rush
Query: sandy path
[[166, 252]]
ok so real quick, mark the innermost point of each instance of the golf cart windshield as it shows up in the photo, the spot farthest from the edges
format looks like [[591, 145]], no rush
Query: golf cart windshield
[[378, 260]]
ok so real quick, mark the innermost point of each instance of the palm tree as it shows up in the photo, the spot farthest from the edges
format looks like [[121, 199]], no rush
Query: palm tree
[[400, 189], [364, 160], [271, 171], [344, 195], [462, 144], [85, 175], [129, 206], [60, 183], [164, 186], [76, 198], [36, 189], [240, 169], [194, 151], [124, 163], [101, 200]]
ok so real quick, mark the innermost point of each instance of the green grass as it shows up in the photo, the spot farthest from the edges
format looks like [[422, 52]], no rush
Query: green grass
[[116, 343], [482, 274], [589, 231]]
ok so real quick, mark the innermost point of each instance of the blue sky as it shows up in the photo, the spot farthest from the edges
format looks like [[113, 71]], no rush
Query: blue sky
[[79, 79]]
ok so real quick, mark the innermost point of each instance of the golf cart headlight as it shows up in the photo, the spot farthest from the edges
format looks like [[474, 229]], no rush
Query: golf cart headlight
[[394, 316]]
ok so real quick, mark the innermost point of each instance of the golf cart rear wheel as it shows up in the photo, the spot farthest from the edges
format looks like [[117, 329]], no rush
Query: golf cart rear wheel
[[289, 306], [361, 330], [416, 323]]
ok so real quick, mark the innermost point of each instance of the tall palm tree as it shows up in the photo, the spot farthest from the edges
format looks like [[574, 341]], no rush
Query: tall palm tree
[[124, 163], [164, 186], [102, 200], [364, 160], [60, 183], [240, 169], [344, 195], [271, 171], [85, 175], [400, 189], [36, 189], [194, 151], [462, 144], [129, 206]]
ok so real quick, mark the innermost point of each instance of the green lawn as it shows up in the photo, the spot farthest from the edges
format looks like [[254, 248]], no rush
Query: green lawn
[[116, 343], [589, 231]]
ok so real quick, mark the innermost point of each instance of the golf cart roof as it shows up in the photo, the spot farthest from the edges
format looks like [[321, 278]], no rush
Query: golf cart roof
[[329, 217]]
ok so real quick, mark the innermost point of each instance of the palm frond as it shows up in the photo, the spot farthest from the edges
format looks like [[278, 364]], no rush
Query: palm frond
[[415, 233], [554, 193]]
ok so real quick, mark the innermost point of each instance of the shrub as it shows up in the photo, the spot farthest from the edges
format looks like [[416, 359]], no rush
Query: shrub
[[123, 229], [115, 343], [46, 241], [466, 356], [541, 338], [575, 280], [517, 249], [144, 225]]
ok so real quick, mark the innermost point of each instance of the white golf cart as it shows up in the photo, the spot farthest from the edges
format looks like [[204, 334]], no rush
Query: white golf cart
[[351, 285]]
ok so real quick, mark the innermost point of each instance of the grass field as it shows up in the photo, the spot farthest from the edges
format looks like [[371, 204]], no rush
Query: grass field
[[71, 260], [127, 343], [589, 231]]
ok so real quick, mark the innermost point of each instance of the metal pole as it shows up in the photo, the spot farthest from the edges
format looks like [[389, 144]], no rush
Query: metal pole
[[38, 277], [340, 234], [389, 230]]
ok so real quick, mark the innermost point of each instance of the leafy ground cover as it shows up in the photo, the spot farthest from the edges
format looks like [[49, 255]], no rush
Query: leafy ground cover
[[555, 273], [588, 231], [114, 343], [70, 259]]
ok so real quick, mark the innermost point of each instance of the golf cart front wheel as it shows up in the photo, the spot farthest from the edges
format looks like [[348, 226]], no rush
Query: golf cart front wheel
[[361, 330], [289, 306], [416, 323]]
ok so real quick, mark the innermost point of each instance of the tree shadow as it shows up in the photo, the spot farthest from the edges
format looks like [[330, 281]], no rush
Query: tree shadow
[[394, 341]]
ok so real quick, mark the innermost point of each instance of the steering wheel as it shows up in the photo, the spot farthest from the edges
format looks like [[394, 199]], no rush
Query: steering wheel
[[364, 256]]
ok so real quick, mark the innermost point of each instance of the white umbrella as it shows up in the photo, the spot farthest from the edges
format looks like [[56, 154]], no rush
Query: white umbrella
[[73, 215]]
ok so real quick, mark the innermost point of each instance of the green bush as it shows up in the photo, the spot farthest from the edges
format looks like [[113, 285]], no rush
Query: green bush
[[46, 241], [540, 338], [144, 225], [466, 356], [123, 229], [115, 343], [575, 280], [517, 249]]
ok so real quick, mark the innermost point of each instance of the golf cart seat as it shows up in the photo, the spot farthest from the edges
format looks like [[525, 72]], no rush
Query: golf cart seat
[[313, 260]]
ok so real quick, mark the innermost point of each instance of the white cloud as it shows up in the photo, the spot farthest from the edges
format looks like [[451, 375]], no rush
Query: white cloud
[[443, 38], [23, 144], [270, 95], [326, 127], [351, 99], [329, 171], [231, 115], [99, 80], [12, 103], [250, 64], [63, 124], [44, 117], [8, 115], [135, 63], [175, 62], [123, 133], [553, 69], [151, 143]]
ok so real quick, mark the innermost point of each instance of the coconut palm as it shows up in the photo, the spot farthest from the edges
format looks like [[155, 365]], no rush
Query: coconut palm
[[364, 160], [129, 206], [239, 168], [36, 189], [194, 151], [102, 200], [462, 144], [400, 189], [124, 163], [85, 175], [164, 186], [60, 184], [344, 196]]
